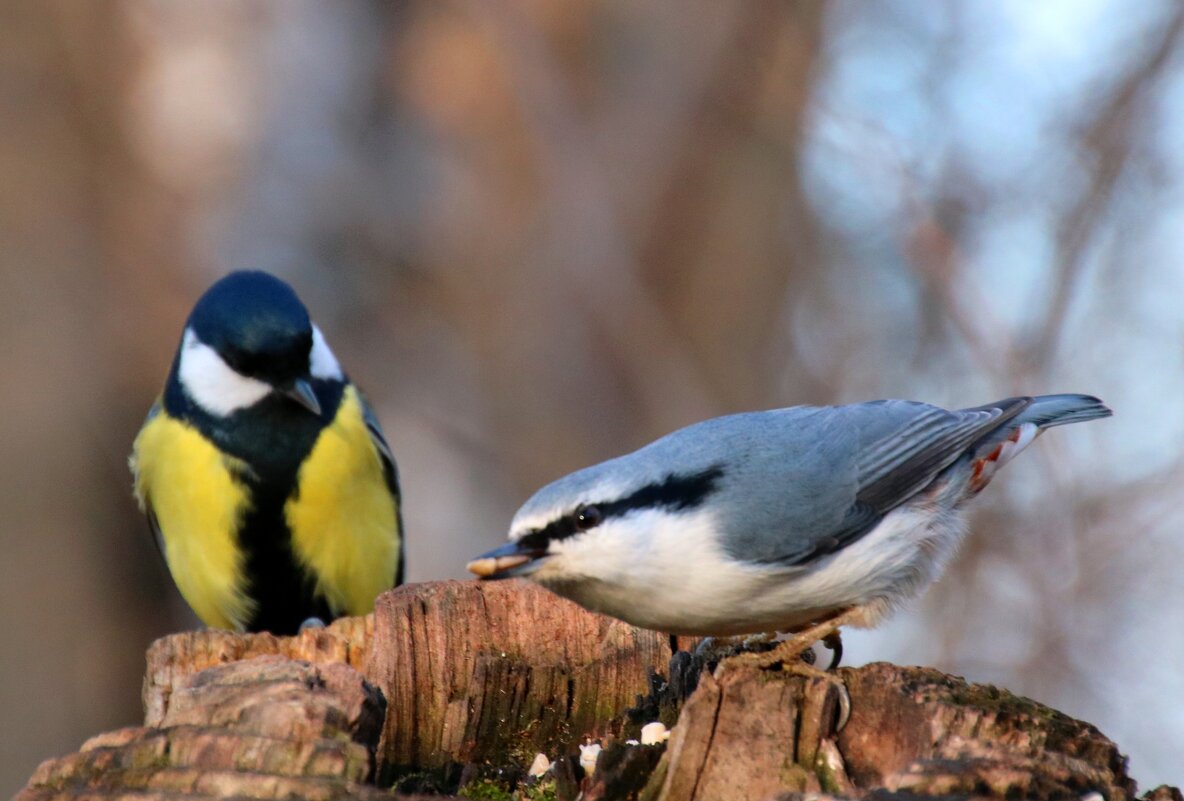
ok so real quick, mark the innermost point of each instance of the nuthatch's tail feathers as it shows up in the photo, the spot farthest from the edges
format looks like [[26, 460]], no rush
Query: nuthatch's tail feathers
[[1045, 411]]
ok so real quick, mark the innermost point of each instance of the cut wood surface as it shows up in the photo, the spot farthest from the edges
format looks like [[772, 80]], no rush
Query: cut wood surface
[[455, 686], [497, 672]]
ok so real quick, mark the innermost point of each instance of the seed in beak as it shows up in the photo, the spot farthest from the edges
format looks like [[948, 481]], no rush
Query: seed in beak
[[489, 565]]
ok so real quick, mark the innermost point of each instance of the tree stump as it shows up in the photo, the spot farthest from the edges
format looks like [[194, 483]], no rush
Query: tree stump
[[269, 727], [456, 686], [173, 659], [495, 673], [913, 731]]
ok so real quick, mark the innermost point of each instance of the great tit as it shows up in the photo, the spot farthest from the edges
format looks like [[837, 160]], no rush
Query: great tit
[[263, 472]]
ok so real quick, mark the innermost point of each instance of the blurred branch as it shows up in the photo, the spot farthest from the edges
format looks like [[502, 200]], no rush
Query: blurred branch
[[1109, 140], [658, 138], [1150, 507], [933, 242], [934, 254], [732, 213], [587, 240]]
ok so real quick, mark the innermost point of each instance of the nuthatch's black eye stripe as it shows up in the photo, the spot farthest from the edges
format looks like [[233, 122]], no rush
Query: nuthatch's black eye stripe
[[675, 492]]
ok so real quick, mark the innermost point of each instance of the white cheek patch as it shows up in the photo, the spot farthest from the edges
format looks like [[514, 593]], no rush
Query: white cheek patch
[[655, 569], [321, 361], [621, 547], [213, 384]]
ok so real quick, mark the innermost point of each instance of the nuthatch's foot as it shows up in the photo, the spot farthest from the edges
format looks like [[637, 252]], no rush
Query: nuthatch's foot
[[788, 655], [791, 649], [811, 672], [795, 665]]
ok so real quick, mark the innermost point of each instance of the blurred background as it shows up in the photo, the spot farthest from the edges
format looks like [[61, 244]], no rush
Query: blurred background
[[541, 234]]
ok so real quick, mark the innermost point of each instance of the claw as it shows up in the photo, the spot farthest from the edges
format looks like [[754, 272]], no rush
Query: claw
[[834, 641], [844, 706]]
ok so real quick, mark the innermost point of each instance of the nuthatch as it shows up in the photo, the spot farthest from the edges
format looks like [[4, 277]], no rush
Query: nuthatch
[[775, 520]]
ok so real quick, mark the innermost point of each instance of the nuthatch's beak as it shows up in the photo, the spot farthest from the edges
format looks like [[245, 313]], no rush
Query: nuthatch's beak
[[301, 392], [508, 561]]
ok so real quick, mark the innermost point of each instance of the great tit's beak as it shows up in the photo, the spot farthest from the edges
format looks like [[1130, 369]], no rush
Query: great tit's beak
[[508, 561], [301, 392]]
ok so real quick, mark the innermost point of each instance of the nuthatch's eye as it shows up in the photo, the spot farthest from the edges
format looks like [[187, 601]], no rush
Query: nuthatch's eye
[[587, 517]]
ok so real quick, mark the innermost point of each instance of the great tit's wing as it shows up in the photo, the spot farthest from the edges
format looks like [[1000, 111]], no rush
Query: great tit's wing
[[389, 468], [145, 503], [837, 471], [390, 471], [154, 527], [152, 412]]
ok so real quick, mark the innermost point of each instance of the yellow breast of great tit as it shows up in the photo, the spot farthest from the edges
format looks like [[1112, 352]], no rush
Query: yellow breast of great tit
[[250, 551], [344, 517]]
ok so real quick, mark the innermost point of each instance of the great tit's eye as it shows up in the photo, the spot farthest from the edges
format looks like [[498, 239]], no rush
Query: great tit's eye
[[587, 517]]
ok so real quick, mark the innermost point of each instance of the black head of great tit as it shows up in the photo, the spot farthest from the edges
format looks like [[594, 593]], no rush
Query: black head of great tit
[[263, 472]]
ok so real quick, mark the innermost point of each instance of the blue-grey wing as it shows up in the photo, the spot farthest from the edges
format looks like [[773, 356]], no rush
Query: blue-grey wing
[[899, 462], [824, 477]]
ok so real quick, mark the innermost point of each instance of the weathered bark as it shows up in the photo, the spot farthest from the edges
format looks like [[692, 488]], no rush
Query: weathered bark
[[477, 678], [912, 730], [172, 660], [264, 728]]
